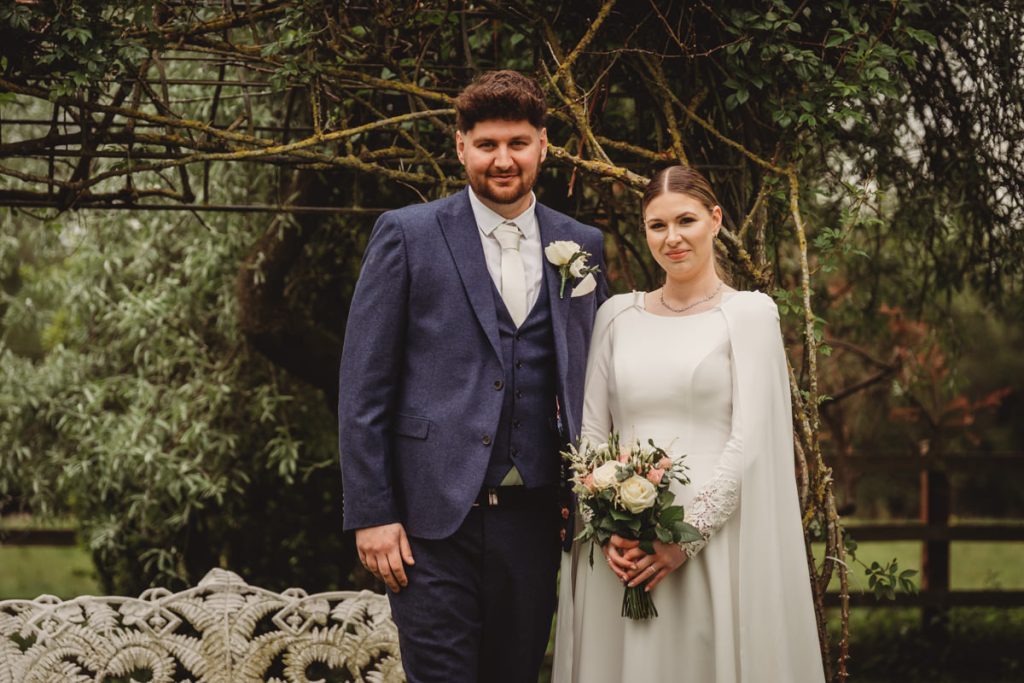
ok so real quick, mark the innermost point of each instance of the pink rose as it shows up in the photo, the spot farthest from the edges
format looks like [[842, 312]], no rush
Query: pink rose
[[665, 463], [588, 482], [654, 475], [624, 456]]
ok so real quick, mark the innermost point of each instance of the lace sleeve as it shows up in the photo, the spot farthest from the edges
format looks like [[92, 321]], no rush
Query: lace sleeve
[[719, 497], [711, 508]]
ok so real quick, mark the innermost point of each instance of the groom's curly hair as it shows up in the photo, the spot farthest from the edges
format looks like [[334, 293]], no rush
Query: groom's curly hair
[[506, 95]]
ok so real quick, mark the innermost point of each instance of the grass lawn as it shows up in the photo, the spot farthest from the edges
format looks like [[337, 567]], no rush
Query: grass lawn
[[974, 565], [31, 571]]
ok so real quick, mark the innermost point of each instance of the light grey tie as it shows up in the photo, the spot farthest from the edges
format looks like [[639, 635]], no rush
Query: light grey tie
[[513, 274]]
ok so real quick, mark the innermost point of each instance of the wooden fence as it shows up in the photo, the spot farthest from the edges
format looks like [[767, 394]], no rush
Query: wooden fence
[[934, 527]]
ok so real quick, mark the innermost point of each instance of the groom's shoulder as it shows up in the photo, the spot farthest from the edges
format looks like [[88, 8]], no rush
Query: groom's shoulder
[[417, 214], [591, 238]]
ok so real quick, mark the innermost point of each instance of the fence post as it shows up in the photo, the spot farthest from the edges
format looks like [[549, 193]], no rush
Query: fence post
[[935, 510]]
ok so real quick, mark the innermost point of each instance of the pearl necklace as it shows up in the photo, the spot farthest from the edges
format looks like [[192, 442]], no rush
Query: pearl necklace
[[709, 297]]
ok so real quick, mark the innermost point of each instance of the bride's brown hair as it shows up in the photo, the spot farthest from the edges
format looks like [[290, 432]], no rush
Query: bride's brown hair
[[689, 181], [684, 180]]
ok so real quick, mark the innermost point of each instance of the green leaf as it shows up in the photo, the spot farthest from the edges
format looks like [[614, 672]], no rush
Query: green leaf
[[79, 33], [619, 515], [922, 36], [686, 532], [671, 515]]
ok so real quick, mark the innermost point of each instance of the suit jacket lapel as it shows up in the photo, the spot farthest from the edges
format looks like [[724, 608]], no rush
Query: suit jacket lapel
[[553, 228], [463, 238]]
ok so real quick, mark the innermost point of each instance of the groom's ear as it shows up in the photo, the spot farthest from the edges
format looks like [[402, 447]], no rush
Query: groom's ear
[[460, 146], [543, 144]]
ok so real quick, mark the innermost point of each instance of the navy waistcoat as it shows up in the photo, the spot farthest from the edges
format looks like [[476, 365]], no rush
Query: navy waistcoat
[[527, 434]]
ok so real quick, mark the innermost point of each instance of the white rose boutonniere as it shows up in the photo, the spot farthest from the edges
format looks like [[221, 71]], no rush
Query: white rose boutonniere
[[571, 261]]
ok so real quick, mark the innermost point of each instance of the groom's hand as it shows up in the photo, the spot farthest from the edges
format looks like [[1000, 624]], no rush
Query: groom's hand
[[382, 550]]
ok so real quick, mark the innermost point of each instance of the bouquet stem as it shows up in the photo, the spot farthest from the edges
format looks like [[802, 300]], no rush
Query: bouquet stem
[[638, 603]]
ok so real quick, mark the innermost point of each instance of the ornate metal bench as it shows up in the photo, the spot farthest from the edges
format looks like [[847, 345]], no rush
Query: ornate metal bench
[[221, 631]]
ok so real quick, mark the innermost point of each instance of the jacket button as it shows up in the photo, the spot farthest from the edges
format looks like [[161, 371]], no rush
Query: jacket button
[[519, 364], [514, 451], [486, 440], [519, 393], [498, 385], [515, 424]]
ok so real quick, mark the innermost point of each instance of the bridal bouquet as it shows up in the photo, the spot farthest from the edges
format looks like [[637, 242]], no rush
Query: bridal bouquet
[[625, 491]]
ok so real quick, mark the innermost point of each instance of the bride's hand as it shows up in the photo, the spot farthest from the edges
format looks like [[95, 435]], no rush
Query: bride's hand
[[621, 555], [667, 557]]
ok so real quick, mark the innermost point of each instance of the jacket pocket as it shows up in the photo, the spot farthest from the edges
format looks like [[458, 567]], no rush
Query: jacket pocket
[[412, 426]]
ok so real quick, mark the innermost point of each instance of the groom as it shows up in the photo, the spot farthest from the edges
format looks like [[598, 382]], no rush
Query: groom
[[461, 379]]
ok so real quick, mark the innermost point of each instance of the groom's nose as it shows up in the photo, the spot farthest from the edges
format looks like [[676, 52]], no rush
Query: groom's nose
[[502, 158]]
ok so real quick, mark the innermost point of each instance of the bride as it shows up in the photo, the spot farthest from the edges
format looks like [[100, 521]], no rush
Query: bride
[[699, 368]]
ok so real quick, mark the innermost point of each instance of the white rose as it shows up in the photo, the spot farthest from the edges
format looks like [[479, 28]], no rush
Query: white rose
[[577, 266], [637, 494], [561, 251], [605, 476]]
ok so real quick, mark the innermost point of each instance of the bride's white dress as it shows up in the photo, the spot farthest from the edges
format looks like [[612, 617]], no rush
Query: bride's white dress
[[674, 380]]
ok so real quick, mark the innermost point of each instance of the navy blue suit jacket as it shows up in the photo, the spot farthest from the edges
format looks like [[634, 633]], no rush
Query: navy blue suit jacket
[[420, 397]]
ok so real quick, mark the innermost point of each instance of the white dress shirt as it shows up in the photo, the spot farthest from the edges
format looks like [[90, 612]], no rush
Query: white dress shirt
[[529, 247]]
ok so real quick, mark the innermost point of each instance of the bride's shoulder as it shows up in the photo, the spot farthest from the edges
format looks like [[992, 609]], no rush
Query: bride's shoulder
[[615, 306], [751, 305]]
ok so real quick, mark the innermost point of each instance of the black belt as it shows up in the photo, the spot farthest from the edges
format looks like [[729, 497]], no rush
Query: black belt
[[515, 496]]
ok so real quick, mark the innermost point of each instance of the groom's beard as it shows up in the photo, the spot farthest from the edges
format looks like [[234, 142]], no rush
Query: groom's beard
[[485, 185]]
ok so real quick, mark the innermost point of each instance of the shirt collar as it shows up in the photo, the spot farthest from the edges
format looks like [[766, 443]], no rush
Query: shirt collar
[[487, 219]]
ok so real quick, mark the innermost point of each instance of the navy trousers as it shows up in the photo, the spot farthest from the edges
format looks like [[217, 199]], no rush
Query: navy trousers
[[479, 603]]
